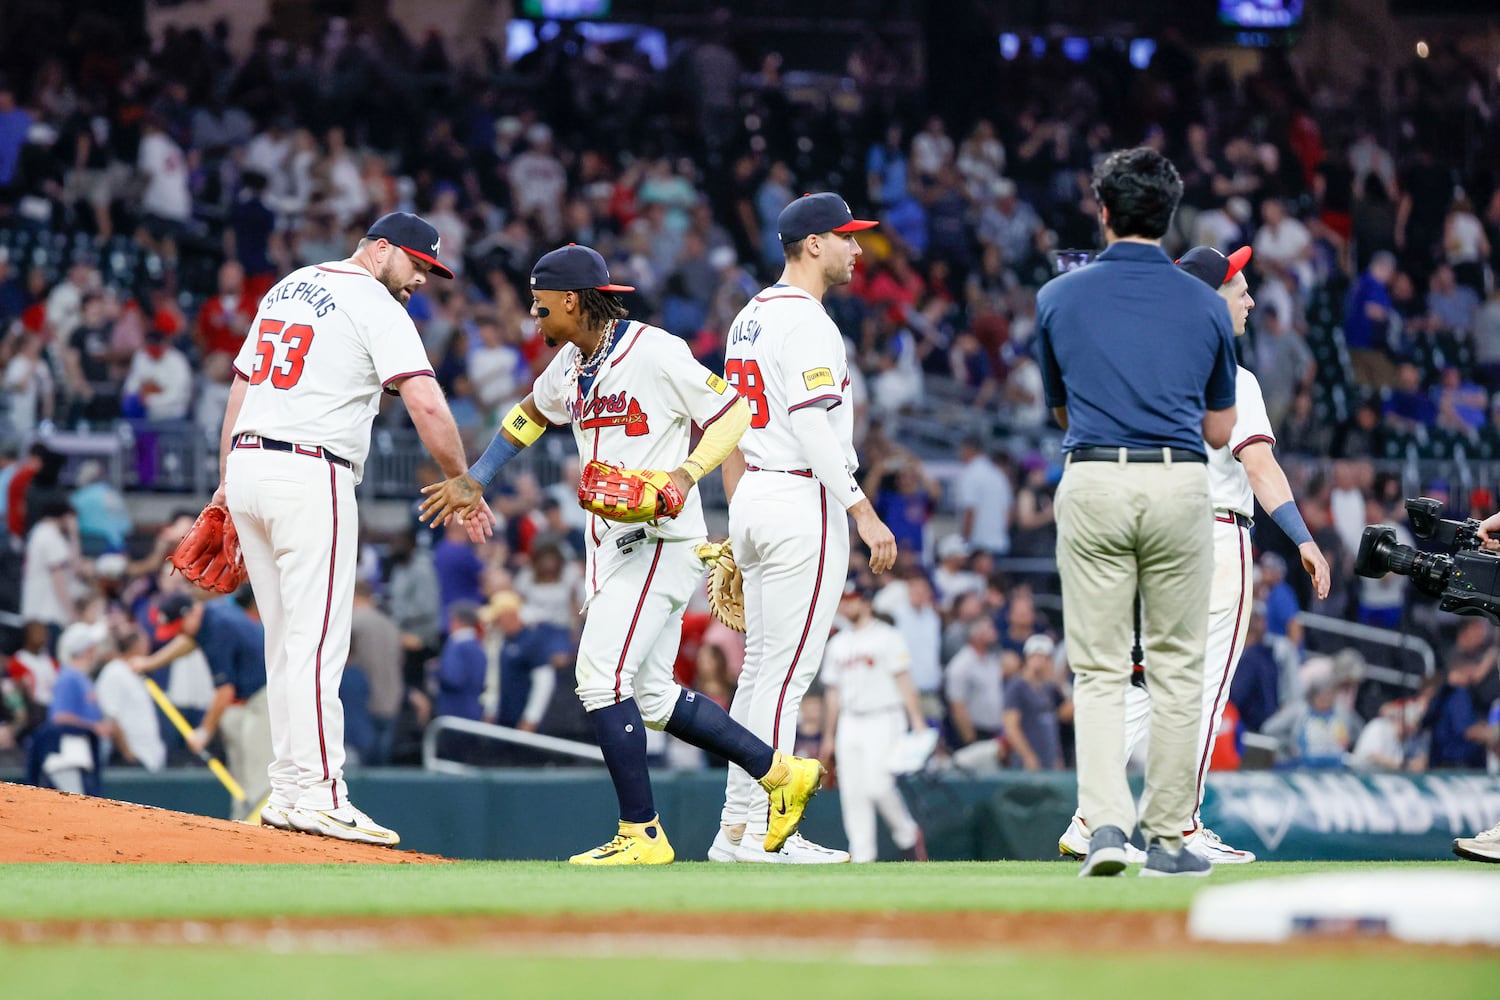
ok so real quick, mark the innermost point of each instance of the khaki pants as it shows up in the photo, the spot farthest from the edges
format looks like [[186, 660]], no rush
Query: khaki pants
[[1123, 527], [247, 744]]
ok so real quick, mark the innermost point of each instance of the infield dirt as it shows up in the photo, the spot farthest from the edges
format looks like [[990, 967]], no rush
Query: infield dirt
[[38, 824]]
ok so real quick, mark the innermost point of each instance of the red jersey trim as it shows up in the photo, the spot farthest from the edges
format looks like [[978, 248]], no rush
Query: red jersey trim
[[1252, 440]]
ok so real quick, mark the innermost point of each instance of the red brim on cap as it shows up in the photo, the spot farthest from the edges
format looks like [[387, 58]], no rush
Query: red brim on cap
[[614, 288], [855, 225], [1237, 262], [438, 269]]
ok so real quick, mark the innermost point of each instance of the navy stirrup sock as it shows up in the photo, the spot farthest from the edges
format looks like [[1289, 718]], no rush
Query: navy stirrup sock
[[700, 721], [622, 737]]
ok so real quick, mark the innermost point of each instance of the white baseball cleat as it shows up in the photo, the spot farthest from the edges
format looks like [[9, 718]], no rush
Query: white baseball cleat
[[277, 817], [723, 849], [797, 850], [1480, 847], [1074, 844], [343, 823], [1207, 845]]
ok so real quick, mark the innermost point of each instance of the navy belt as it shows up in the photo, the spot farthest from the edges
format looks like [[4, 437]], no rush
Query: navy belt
[[1233, 515], [1135, 455], [253, 441], [804, 473]]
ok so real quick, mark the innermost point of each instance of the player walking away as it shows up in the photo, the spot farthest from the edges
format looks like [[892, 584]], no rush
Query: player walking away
[[632, 393], [327, 340], [789, 487], [1240, 473], [869, 702]]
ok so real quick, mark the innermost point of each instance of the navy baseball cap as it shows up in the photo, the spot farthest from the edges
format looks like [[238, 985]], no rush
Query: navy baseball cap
[[166, 617], [573, 268], [1211, 267], [413, 234], [818, 213]]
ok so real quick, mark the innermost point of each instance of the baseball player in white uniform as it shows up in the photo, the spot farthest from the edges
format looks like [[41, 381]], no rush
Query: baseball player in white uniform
[[1240, 473], [327, 340], [789, 488], [631, 394], [870, 702]]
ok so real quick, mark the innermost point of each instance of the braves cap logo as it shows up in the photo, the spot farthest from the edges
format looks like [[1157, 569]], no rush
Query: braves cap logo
[[435, 244]]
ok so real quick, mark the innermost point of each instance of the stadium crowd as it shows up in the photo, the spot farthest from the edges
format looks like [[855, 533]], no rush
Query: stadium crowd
[[149, 195]]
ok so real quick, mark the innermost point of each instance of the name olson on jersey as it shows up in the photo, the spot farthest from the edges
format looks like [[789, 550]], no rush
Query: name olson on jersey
[[745, 333], [617, 409], [315, 295]]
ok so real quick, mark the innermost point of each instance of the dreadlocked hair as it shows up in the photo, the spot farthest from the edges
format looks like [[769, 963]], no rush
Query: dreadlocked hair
[[599, 307]]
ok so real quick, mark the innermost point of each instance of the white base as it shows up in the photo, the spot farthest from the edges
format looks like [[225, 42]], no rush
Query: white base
[[1425, 907]]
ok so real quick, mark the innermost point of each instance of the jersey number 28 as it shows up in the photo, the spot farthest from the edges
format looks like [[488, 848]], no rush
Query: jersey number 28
[[284, 373], [746, 378]]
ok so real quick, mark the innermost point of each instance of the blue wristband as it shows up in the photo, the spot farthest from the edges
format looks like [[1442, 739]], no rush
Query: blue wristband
[[1289, 520], [500, 451]]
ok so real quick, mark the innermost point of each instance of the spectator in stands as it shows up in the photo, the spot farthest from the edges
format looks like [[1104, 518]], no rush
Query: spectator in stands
[[1033, 707], [104, 519], [531, 657], [1392, 741], [224, 320], [1284, 365], [91, 363], [51, 567], [32, 668], [1454, 723], [458, 677], [951, 578], [458, 568], [1368, 315], [1465, 246], [496, 369], [931, 150], [1279, 597], [1409, 409], [552, 585], [159, 385], [905, 497], [1008, 222], [29, 384], [1450, 305], [974, 685], [167, 201], [885, 169], [123, 697], [908, 603], [1461, 404], [1019, 622], [75, 715], [1315, 733], [983, 499], [1486, 341], [375, 649], [15, 124]]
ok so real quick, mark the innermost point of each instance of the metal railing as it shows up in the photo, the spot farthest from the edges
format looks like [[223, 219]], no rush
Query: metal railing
[[498, 734], [1368, 635]]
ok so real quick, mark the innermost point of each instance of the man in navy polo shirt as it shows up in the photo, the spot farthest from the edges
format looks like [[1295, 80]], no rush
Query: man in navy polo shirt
[[1138, 363]]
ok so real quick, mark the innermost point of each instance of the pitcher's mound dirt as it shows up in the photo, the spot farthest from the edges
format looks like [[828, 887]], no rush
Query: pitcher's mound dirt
[[38, 824]]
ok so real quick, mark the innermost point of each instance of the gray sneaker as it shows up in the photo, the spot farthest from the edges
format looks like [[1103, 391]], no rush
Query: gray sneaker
[[1106, 853], [1162, 863]]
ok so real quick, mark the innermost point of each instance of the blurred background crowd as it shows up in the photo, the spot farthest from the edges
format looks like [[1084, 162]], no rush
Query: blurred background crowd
[[152, 188]]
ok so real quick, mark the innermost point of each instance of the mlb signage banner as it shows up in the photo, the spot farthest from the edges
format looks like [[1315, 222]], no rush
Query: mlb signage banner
[[1314, 815]]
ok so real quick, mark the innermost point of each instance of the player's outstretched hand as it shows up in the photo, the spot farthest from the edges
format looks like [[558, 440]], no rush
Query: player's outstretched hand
[[1316, 566], [481, 525], [874, 533], [460, 497]]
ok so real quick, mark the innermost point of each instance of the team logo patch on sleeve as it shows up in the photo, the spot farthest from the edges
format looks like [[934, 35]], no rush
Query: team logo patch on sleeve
[[817, 376], [717, 384]]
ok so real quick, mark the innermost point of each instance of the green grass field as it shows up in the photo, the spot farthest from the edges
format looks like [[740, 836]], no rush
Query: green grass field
[[682, 969]]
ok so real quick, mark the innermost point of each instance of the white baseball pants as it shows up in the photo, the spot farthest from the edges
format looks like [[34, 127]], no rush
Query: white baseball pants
[[791, 540], [299, 528], [634, 627], [863, 745]]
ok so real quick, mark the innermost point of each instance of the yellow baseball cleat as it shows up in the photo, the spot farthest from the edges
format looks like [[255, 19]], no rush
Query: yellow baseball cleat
[[792, 781], [635, 844]]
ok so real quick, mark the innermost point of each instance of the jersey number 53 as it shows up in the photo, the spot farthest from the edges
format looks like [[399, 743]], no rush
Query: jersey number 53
[[274, 335], [746, 378]]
